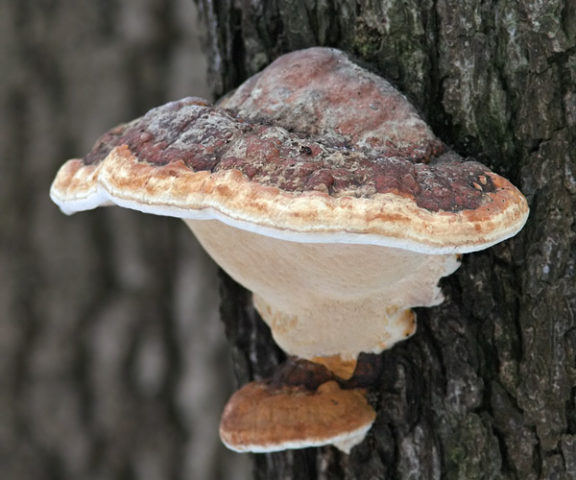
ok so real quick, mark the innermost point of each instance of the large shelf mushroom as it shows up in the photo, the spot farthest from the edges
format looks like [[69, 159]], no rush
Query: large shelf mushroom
[[318, 187]]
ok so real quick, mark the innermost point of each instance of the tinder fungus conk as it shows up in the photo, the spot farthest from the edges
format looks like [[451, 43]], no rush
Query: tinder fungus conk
[[318, 187]]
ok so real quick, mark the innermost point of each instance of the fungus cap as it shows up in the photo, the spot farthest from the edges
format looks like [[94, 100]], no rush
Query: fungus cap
[[189, 160], [262, 418]]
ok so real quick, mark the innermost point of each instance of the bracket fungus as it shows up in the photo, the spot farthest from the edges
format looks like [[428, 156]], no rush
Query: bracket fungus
[[302, 405], [318, 187]]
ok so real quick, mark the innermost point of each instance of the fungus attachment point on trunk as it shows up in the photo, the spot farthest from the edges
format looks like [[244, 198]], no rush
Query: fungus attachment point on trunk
[[318, 187]]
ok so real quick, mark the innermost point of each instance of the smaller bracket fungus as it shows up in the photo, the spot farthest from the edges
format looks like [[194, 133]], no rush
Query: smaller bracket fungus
[[318, 187], [301, 406], [262, 418]]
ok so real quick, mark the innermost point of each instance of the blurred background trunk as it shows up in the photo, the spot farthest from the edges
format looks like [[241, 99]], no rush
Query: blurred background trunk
[[112, 358], [113, 363]]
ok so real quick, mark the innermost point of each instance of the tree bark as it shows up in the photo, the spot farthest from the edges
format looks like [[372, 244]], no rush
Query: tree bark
[[486, 389]]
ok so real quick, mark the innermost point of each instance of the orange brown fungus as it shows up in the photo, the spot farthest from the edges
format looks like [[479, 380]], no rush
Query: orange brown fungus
[[318, 187], [263, 418]]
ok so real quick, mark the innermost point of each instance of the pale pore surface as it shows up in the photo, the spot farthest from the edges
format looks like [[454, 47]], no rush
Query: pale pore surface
[[344, 442], [328, 299]]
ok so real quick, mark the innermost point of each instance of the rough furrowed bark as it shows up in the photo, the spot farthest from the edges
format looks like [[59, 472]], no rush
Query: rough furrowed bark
[[487, 386]]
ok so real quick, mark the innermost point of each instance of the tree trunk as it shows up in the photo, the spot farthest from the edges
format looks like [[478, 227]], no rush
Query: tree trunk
[[487, 386]]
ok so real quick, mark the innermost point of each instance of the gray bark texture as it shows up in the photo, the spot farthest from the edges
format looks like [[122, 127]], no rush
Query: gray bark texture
[[486, 389]]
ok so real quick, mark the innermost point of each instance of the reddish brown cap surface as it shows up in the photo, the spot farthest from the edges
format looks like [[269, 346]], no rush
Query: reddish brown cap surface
[[261, 418], [320, 92]]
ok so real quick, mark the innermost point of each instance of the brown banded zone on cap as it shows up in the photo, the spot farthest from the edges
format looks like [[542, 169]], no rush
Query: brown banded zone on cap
[[189, 160]]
